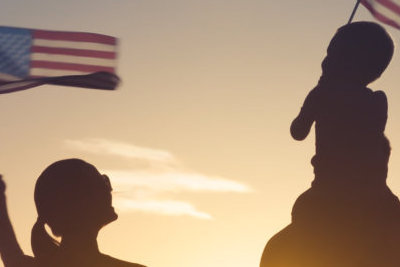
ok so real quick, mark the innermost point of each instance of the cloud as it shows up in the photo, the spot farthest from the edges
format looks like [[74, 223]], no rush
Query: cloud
[[164, 207], [175, 180], [112, 148], [139, 189]]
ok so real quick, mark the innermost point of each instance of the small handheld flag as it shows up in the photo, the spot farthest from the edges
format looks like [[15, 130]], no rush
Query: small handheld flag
[[30, 58], [386, 11]]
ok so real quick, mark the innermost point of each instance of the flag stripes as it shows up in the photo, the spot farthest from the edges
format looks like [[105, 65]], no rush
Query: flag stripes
[[390, 5], [71, 51], [386, 11], [75, 37]]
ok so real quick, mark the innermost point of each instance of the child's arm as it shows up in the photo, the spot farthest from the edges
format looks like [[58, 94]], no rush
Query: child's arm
[[11, 253], [301, 125]]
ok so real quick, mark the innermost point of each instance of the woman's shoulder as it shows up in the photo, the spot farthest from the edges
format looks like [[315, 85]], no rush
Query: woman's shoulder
[[113, 262], [23, 261], [100, 260]]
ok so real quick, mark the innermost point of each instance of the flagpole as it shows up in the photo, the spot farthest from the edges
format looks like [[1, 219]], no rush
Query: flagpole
[[354, 11]]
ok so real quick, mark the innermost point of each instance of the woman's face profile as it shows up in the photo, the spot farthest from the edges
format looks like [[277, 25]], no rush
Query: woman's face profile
[[111, 215], [92, 207], [104, 212]]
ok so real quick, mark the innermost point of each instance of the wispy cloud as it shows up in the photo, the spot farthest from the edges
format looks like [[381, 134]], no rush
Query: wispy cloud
[[140, 188], [175, 181], [113, 148], [164, 207]]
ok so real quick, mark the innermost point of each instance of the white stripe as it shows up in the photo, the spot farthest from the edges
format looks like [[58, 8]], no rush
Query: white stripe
[[75, 45], [8, 77], [388, 13], [74, 59], [16, 85], [51, 72]]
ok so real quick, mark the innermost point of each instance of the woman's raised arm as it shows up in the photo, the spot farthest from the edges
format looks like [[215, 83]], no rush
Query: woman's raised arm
[[11, 253]]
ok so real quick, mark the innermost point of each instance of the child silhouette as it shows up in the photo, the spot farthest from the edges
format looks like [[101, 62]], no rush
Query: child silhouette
[[74, 200], [352, 151]]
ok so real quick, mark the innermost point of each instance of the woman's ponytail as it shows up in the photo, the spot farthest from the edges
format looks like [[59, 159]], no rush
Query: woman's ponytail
[[43, 245]]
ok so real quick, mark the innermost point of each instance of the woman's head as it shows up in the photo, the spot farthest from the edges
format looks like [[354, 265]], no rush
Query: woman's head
[[72, 196], [359, 52]]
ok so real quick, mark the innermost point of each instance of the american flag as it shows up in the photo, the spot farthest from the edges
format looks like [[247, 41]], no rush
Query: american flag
[[387, 11], [30, 58]]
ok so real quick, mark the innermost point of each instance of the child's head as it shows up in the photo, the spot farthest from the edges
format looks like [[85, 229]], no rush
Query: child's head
[[359, 52]]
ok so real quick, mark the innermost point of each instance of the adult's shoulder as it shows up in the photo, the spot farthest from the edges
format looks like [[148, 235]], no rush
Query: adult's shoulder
[[113, 262]]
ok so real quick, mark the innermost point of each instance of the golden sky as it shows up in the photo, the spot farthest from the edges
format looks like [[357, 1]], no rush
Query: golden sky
[[196, 139]]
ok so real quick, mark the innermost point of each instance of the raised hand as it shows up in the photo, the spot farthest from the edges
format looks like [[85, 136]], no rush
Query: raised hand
[[2, 188], [2, 184]]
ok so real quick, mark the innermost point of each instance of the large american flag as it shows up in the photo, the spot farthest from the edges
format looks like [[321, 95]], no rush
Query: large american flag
[[30, 58], [387, 11]]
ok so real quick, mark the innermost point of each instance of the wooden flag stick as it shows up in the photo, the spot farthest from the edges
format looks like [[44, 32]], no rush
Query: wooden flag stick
[[354, 11]]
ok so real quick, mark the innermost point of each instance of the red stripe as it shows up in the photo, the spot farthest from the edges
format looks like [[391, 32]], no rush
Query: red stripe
[[75, 36], [379, 16], [69, 66], [73, 52], [390, 5]]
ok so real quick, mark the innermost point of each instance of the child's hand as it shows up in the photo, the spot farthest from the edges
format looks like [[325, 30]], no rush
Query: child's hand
[[2, 187]]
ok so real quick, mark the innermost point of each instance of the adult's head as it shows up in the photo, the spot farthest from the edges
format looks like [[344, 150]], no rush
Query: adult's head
[[359, 52], [71, 197]]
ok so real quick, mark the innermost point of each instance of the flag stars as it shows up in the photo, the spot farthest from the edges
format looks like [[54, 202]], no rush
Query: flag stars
[[14, 54]]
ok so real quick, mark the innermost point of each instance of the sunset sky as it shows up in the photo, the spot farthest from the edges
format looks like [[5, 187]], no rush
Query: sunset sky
[[196, 139]]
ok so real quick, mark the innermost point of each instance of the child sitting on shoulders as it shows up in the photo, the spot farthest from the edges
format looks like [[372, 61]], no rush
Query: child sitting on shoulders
[[352, 151]]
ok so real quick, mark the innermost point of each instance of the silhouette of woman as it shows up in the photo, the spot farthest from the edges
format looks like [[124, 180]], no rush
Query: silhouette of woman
[[74, 200]]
